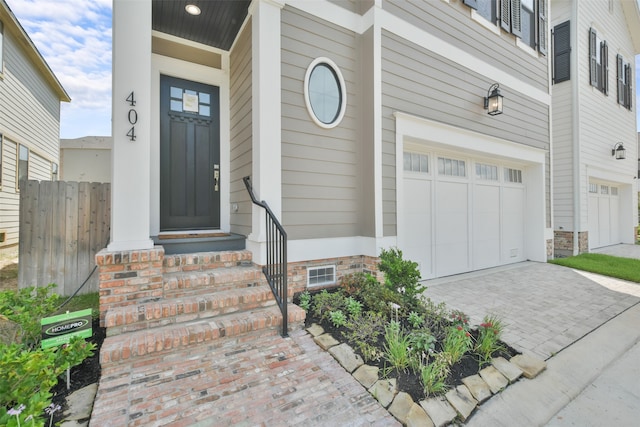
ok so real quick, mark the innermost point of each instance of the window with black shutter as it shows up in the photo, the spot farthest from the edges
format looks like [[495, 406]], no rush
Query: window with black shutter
[[623, 80], [561, 52], [598, 62]]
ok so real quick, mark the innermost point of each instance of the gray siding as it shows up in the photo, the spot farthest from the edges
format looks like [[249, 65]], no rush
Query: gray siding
[[320, 173], [452, 22], [418, 82], [356, 6], [241, 134]]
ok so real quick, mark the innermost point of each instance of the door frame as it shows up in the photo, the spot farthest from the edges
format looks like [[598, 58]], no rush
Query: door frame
[[162, 65]]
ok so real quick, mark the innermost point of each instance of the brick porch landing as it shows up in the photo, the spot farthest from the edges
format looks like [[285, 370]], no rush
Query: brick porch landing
[[261, 379]]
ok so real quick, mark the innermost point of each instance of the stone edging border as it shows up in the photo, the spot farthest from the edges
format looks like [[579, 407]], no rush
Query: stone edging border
[[435, 411]]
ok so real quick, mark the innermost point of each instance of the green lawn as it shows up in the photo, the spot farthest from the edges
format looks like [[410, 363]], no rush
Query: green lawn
[[622, 268], [81, 302]]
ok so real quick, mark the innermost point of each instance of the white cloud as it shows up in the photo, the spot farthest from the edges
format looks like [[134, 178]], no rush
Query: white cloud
[[74, 37]]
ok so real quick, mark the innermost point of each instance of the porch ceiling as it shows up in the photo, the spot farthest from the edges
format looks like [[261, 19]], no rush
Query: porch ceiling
[[216, 26]]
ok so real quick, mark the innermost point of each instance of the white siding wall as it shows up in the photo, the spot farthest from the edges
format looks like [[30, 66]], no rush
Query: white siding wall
[[603, 122], [29, 115], [562, 146], [30, 110], [320, 173], [9, 197], [241, 136]]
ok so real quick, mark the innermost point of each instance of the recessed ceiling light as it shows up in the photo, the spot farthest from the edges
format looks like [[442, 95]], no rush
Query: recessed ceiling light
[[192, 9]]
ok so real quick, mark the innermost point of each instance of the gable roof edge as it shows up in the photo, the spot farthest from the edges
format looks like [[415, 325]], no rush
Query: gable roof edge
[[12, 24]]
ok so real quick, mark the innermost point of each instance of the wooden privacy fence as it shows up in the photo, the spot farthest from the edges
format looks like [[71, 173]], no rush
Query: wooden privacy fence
[[62, 226]]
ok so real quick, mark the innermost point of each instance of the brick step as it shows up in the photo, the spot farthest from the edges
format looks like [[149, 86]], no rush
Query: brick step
[[172, 337], [202, 261], [147, 315], [204, 282]]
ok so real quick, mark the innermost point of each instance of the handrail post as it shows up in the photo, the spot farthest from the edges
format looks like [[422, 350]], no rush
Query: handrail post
[[275, 270]]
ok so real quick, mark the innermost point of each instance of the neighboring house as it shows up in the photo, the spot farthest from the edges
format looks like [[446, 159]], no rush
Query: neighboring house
[[30, 96], [86, 159], [595, 197], [361, 123]]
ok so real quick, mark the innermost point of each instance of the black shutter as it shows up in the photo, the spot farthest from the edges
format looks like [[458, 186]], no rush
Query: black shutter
[[471, 3], [516, 18], [620, 79], [542, 26], [561, 52], [604, 58], [629, 91], [505, 15], [593, 64]]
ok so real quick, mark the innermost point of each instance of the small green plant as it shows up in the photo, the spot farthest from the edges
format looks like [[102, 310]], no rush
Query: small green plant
[[423, 344], [364, 331], [325, 302], [305, 301], [488, 342], [433, 376], [415, 319], [396, 346], [354, 307], [365, 288], [402, 277], [28, 372], [456, 344], [26, 307], [338, 318]]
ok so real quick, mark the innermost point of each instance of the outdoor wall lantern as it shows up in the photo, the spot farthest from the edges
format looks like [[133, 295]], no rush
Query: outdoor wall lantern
[[493, 100], [619, 151]]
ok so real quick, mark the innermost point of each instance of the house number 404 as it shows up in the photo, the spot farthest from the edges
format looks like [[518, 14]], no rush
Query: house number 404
[[132, 116]]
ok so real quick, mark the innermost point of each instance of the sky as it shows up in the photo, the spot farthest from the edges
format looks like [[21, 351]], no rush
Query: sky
[[74, 37]]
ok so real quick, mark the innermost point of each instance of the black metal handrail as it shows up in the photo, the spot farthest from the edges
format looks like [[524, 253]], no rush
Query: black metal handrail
[[276, 268]]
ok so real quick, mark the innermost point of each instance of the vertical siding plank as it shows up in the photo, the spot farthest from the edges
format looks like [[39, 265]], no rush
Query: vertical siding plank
[[28, 252], [84, 233], [59, 227], [71, 234], [46, 231]]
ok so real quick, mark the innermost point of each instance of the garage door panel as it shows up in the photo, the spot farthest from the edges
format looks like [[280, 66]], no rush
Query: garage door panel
[[452, 230], [513, 224], [417, 240], [604, 221], [594, 238], [486, 226]]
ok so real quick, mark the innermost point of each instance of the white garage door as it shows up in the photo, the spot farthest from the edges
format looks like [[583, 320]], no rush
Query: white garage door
[[461, 214], [603, 215]]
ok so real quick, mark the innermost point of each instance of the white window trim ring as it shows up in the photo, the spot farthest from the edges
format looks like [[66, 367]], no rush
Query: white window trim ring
[[343, 92]]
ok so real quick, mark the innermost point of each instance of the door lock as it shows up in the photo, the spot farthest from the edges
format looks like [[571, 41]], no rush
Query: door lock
[[216, 180]]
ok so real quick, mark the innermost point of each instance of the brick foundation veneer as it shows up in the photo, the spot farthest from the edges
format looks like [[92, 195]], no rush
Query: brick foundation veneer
[[344, 266], [563, 242], [129, 277]]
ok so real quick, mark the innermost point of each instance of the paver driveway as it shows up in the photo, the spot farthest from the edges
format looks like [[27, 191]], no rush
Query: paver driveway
[[545, 307]]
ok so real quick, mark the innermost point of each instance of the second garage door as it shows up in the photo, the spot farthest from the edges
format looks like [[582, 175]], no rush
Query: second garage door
[[461, 214], [603, 214]]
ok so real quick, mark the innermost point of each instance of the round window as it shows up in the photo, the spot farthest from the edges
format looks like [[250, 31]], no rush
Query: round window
[[324, 93]]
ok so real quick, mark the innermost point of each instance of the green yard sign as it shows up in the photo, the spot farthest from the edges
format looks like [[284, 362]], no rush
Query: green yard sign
[[58, 330]]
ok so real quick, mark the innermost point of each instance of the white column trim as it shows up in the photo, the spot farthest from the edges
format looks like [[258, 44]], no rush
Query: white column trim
[[266, 175], [130, 160]]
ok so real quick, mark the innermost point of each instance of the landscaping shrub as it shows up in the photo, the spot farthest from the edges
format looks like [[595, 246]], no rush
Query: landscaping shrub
[[402, 277], [28, 372]]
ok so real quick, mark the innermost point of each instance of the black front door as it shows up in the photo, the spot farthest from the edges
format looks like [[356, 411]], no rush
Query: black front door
[[189, 155]]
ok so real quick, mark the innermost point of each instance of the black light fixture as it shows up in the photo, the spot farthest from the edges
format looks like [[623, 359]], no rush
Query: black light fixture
[[619, 151], [493, 100]]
